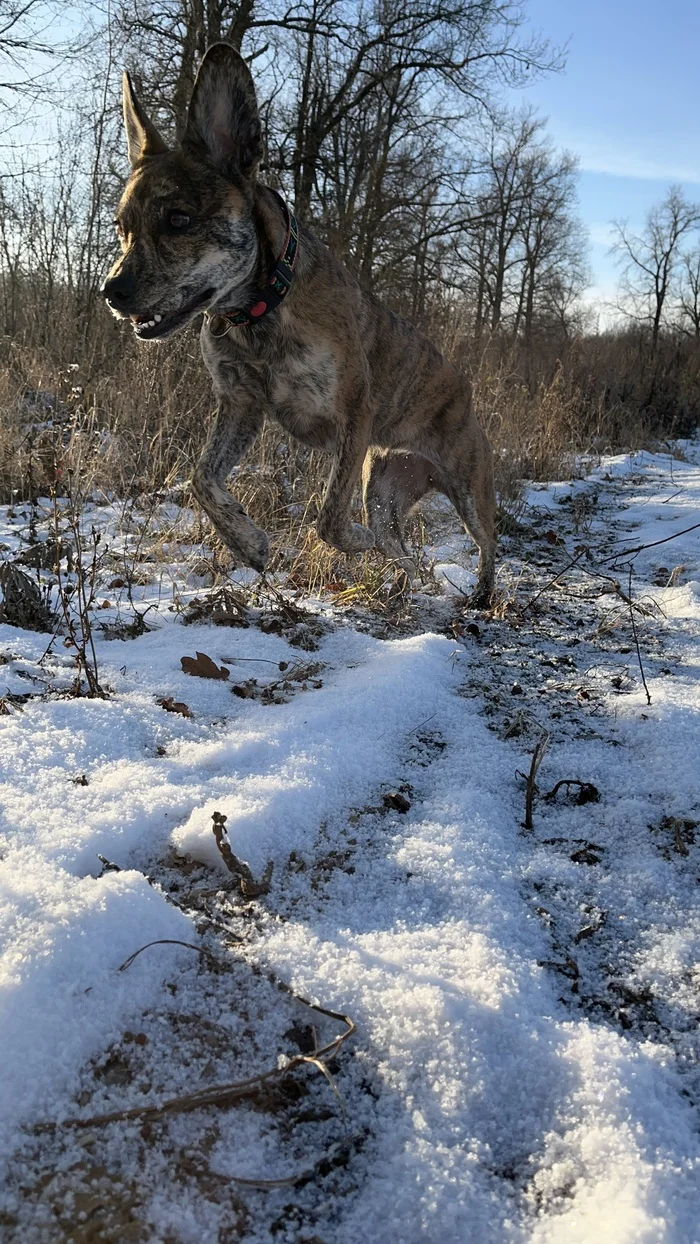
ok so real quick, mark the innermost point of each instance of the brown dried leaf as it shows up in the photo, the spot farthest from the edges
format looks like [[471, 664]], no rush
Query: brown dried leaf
[[397, 802], [174, 706], [245, 690], [202, 666]]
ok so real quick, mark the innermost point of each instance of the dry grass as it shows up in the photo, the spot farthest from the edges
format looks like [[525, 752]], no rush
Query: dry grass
[[128, 422]]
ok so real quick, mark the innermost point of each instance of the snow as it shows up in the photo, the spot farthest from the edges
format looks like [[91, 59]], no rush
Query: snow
[[62, 999], [525, 1062]]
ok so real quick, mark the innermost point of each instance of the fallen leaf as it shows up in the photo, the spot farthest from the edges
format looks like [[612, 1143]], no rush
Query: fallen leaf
[[586, 855], [202, 666], [174, 706], [397, 801], [245, 690]]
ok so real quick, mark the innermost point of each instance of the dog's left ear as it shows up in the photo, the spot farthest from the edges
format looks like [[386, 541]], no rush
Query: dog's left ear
[[142, 137], [223, 124]]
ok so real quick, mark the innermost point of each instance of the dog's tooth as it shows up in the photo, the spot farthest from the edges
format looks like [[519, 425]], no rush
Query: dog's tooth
[[157, 318]]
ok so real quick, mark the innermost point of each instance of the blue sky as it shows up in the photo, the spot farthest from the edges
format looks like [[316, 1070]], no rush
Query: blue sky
[[627, 104]]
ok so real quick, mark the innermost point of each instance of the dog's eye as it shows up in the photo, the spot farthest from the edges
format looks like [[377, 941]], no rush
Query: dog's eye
[[178, 220]]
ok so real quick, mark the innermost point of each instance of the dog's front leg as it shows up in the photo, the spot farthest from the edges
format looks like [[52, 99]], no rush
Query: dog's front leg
[[232, 433], [334, 524]]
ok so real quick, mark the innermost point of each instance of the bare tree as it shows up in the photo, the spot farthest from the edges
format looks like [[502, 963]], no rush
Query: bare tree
[[27, 40], [689, 293], [554, 246], [649, 260], [523, 248]]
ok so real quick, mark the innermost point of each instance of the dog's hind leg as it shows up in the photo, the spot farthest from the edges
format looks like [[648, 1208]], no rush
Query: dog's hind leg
[[334, 524], [230, 437], [392, 483], [472, 494]]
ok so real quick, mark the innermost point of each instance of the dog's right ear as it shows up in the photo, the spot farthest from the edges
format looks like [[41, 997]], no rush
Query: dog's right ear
[[223, 125], [142, 137]]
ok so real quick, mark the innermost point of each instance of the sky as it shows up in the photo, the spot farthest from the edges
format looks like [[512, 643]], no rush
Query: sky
[[626, 104]]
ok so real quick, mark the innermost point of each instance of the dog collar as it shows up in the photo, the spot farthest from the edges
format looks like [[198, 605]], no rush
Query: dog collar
[[270, 295]]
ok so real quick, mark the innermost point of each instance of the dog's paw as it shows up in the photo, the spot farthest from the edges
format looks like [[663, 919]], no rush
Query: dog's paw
[[250, 547], [352, 539], [358, 539]]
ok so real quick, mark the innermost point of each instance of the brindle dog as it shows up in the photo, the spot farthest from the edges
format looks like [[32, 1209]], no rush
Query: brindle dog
[[339, 371]]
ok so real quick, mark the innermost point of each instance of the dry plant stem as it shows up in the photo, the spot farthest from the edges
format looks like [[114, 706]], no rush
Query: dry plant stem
[[79, 629], [166, 941], [291, 610], [636, 637], [604, 561], [302, 1176], [250, 888], [531, 784], [639, 548], [457, 588], [227, 1094], [583, 786], [570, 565], [599, 574]]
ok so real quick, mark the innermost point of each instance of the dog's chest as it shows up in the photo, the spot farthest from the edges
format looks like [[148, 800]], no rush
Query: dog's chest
[[303, 394]]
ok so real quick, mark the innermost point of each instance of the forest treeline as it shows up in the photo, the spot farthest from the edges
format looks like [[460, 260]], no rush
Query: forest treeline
[[388, 126]]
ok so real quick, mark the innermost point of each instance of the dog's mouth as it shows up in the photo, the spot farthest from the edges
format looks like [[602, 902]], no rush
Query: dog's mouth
[[155, 325]]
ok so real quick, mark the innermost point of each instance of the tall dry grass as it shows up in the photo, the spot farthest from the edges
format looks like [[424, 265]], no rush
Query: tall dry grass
[[127, 420]]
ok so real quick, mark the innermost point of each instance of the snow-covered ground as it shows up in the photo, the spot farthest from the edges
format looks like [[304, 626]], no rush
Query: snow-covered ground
[[527, 1001]]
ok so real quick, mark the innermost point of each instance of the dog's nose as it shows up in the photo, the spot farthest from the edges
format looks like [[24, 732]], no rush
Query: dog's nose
[[118, 290]]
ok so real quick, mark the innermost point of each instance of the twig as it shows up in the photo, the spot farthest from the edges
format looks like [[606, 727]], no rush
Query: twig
[[530, 783], [253, 660], [81, 595], [604, 561], [250, 888], [412, 729], [588, 793], [574, 561], [166, 941], [294, 613], [224, 1094], [291, 1180], [457, 588], [654, 543], [636, 638]]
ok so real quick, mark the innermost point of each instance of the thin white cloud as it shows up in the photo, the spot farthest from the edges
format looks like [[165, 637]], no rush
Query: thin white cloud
[[599, 154], [637, 168]]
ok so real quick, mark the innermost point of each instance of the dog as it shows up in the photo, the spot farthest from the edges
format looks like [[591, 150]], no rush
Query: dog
[[288, 332]]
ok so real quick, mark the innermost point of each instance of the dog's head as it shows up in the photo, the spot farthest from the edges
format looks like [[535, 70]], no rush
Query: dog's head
[[185, 219]]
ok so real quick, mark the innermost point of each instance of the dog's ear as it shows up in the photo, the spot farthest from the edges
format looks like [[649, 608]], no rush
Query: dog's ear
[[142, 137], [223, 125]]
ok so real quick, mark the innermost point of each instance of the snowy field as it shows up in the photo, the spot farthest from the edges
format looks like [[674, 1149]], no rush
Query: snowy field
[[525, 1061]]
